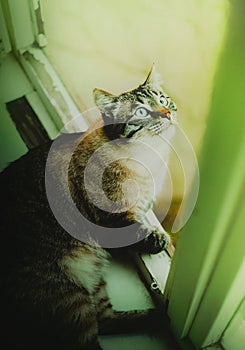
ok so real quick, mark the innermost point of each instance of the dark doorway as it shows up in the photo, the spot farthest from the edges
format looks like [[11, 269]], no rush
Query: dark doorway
[[27, 123]]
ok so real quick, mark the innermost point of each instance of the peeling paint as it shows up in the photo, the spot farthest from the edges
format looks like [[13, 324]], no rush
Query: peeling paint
[[54, 90]]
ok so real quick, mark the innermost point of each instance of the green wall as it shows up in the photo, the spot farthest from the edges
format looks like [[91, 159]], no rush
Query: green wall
[[210, 250], [13, 85]]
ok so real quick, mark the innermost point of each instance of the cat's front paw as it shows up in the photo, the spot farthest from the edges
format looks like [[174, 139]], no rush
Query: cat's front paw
[[153, 242], [157, 241]]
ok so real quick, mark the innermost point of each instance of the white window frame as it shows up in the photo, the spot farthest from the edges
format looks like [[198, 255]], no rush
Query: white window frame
[[21, 17]]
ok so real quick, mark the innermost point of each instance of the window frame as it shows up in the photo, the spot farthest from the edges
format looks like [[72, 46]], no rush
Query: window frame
[[27, 45]]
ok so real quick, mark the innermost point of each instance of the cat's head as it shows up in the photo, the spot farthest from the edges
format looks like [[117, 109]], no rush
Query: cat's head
[[147, 107]]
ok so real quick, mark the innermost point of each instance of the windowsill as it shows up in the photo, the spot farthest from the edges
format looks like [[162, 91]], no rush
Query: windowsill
[[127, 291], [155, 268]]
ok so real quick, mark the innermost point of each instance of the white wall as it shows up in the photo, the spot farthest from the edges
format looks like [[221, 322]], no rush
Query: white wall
[[112, 44]]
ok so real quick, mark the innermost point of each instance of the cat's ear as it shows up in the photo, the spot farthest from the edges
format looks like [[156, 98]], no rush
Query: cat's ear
[[104, 100], [153, 78]]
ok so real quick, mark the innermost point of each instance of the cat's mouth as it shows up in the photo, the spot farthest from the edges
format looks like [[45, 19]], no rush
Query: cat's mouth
[[158, 126]]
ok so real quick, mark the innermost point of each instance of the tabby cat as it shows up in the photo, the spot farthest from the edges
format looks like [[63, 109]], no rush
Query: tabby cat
[[53, 289]]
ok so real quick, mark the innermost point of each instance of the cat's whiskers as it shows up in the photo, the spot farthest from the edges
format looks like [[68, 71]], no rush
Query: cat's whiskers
[[174, 119], [156, 128]]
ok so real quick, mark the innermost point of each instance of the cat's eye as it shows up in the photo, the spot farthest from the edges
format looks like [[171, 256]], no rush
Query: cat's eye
[[164, 101], [141, 112]]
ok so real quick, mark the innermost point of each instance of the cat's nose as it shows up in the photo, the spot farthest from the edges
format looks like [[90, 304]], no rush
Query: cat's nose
[[165, 112]]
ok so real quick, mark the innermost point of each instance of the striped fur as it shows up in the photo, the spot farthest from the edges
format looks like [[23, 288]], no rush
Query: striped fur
[[53, 291]]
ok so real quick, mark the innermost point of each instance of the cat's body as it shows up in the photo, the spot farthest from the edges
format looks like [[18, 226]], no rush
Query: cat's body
[[53, 287]]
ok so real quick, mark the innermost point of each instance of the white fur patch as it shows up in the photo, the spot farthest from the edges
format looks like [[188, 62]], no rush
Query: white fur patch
[[86, 266]]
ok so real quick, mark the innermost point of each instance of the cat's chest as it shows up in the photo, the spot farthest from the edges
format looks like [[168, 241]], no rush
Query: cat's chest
[[148, 156], [147, 161]]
